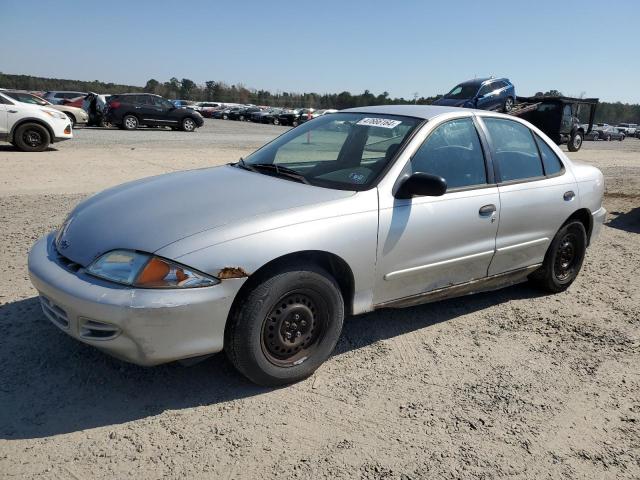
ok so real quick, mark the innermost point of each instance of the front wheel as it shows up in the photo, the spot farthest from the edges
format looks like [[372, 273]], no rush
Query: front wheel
[[563, 259], [575, 142], [276, 121], [188, 124], [31, 137], [286, 326]]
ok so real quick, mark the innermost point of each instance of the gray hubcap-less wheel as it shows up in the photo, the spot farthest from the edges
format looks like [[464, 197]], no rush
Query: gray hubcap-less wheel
[[131, 123], [508, 105], [188, 125], [577, 141]]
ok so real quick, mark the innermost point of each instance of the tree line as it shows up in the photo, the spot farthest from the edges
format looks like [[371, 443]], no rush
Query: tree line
[[222, 92]]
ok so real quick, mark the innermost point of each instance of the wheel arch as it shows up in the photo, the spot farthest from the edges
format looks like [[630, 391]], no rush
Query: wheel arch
[[583, 215], [40, 122], [332, 263]]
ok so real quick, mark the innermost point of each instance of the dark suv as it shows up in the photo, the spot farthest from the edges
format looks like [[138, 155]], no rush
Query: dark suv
[[481, 93], [130, 110]]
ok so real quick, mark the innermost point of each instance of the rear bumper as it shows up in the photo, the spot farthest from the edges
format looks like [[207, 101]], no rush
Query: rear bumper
[[142, 326], [599, 217]]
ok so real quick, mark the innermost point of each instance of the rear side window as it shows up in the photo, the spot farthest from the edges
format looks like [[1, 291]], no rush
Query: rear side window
[[550, 160], [515, 151], [453, 151]]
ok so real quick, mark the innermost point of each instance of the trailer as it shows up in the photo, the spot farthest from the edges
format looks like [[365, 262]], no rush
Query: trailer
[[558, 117]]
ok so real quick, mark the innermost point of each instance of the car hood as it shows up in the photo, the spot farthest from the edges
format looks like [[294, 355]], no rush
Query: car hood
[[451, 102], [151, 213]]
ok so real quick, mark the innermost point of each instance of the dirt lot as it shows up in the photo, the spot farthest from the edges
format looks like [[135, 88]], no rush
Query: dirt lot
[[508, 384]]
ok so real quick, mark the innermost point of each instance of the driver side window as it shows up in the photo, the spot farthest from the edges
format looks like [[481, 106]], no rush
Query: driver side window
[[453, 151]]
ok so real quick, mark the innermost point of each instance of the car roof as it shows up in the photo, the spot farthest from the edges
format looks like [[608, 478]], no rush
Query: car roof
[[419, 111]]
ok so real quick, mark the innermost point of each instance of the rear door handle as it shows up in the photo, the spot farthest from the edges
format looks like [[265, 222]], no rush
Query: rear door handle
[[568, 196], [487, 210]]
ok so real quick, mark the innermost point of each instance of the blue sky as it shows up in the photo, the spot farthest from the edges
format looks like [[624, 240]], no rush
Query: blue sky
[[330, 46]]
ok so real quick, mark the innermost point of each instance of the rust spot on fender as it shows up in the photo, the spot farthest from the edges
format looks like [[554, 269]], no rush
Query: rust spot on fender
[[232, 272]]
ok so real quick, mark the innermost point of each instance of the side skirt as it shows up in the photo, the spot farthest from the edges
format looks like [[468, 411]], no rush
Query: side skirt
[[487, 284]]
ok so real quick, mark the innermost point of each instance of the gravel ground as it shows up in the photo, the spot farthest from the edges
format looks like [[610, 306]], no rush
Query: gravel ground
[[505, 384]]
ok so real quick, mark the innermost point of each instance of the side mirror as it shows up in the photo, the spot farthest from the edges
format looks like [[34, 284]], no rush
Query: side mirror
[[422, 185]]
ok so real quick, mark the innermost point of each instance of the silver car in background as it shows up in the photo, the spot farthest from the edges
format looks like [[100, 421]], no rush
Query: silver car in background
[[367, 208]]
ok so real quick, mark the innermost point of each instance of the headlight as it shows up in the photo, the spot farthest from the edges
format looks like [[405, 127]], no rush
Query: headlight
[[147, 271], [55, 114]]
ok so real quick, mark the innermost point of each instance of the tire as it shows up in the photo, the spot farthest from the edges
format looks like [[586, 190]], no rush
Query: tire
[[297, 306], [563, 259], [276, 121], [294, 123], [608, 139], [595, 136], [189, 124], [130, 122], [508, 105], [241, 118], [621, 138], [71, 118], [575, 142], [31, 137]]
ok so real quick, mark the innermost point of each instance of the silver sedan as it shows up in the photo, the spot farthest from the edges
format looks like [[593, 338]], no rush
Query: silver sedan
[[363, 209]]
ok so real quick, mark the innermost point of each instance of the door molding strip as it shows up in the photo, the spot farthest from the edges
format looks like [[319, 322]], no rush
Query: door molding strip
[[487, 284], [413, 270]]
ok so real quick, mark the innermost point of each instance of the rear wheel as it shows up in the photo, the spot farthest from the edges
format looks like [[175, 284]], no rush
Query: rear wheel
[[188, 124], [563, 259], [31, 137], [276, 121], [286, 326], [508, 105], [295, 123], [130, 122], [575, 142], [608, 138]]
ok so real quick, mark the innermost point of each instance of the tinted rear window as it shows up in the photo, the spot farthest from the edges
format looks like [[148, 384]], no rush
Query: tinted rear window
[[550, 160], [514, 149]]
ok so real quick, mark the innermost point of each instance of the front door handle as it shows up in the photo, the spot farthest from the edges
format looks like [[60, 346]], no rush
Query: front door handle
[[12, 111], [487, 210], [568, 196]]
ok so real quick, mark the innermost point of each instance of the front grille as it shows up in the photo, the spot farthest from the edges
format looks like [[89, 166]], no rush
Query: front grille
[[54, 313], [94, 330]]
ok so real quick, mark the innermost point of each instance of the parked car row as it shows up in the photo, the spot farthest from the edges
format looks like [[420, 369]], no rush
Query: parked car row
[[602, 131], [271, 115]]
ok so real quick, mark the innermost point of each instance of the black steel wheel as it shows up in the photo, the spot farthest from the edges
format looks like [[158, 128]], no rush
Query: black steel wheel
[[31, 137], [285, 325], [294, 328], [563, 259]]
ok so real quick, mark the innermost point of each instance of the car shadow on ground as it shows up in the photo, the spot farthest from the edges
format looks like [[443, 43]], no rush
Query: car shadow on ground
[[52, 384], [11, 148], [629, 221]]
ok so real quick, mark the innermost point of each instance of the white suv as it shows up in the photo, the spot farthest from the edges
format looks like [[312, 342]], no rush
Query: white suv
[[31, 128]]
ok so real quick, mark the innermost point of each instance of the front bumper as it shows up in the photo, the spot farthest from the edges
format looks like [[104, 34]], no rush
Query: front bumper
[[599, 217], [142, 326]]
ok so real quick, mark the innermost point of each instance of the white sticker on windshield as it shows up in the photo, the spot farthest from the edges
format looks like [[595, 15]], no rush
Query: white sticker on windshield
[[379, 122]]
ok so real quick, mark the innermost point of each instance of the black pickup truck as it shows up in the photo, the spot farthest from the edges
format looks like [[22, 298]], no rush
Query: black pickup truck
[[559, 117]]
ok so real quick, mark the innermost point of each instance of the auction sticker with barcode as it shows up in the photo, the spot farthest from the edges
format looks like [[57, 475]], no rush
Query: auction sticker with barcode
[[379, 122]]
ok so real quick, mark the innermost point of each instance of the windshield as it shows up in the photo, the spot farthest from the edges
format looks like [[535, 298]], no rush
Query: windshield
[[463, 91], [347, 151], [26, 98]]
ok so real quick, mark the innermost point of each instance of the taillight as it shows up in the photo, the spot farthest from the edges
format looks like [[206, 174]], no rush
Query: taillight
[[115, 104]]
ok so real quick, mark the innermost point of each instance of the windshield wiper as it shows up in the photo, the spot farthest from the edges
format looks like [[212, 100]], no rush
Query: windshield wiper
[[244, 165], [278, 169]]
